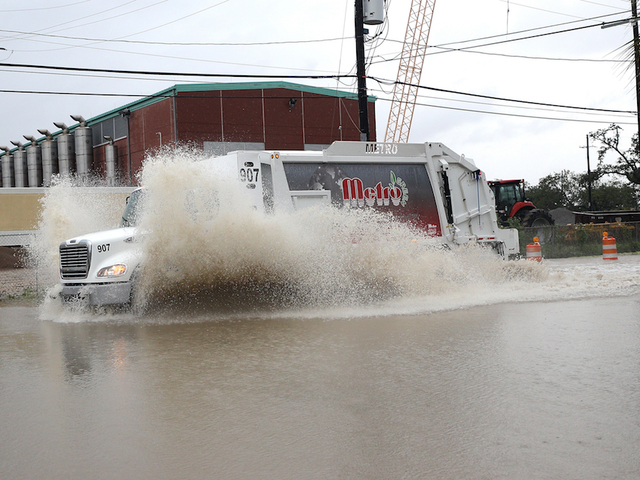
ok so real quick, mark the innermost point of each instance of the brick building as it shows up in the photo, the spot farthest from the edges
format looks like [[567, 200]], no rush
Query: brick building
[[215, 117]]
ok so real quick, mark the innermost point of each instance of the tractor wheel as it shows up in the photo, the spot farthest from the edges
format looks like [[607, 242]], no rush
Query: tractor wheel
[[541, 222], [537, 218]]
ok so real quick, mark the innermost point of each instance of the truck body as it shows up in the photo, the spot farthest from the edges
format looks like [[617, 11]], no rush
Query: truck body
[[426, 185]]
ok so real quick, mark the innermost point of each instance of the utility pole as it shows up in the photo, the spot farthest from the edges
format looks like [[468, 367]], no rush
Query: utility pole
[[361, 73], [636, 57], [636, 50], [589, 174]]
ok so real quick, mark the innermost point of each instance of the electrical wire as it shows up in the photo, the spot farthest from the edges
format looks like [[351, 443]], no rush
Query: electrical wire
[[511, 2], [421, 104], [178, 19], [376, 41], [444, 49], [527, 30], [511, 40], [102, 76], [601, 4], [55, 7], [180, 44], [531, 57], [175, 57], [490, 97], [162, 74], [128, 13], [517, 106], [377, 80], [503, 114], [97, 14], [286, 42]]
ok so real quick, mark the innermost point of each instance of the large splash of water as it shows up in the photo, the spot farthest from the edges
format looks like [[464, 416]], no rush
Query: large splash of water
[[68, 209], [205, 247], [204, 241]]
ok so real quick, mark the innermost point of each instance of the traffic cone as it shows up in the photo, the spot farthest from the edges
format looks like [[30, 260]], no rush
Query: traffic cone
[[609, 249], [534, 251]]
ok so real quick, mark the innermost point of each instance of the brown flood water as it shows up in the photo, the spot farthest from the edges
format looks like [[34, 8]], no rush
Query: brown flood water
[[543, 390]]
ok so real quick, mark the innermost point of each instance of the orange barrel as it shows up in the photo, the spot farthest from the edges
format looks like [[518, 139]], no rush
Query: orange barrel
[[533, 251], [609, 249]]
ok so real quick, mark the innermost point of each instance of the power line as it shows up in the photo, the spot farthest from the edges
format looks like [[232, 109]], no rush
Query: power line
[[534, 29], [284, 42], [178, 44], [315, 77], [511, 2], [81, 94], [97, 14], [518, 106], [507, 55], [231, 97], [602, 4], [532, 57], [444, 49], [177, 74], [179, 19], [174, 57], [502, 99], [503, 114], [104, 76], [511, 40], [56, 7], [586, 110]]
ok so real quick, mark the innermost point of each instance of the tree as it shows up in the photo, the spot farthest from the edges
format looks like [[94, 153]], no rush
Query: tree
[[614, 195], [628, 162], [570, 190], [555, 190]]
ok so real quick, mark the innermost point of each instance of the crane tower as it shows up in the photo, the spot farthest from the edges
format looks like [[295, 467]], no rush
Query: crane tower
[[405, 90]]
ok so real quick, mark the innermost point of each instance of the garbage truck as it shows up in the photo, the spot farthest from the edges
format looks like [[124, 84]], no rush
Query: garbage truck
[[429, 186]]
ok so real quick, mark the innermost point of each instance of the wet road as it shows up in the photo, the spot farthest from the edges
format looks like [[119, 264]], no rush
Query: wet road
[[546, 389]]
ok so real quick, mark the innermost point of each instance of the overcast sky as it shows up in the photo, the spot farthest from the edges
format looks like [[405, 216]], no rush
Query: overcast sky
[[584, 67]]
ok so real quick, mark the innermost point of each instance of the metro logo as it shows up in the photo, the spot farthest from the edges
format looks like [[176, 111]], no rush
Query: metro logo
[[355, 194], [381, 148]]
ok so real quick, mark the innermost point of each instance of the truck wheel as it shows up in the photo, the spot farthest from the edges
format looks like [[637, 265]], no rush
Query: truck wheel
[[134, 298], [541, 222]]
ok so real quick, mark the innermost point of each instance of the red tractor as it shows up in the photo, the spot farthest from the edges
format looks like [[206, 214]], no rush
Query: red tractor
[[510, 202]]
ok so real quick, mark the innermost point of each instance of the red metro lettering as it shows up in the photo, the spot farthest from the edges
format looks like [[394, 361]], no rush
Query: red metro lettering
[[355, 195]]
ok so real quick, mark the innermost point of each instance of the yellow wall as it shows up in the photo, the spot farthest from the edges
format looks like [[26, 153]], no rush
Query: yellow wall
[[19, 211], [20, 207]]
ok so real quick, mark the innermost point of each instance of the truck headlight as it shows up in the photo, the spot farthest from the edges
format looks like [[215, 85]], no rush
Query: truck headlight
[[113, 271]]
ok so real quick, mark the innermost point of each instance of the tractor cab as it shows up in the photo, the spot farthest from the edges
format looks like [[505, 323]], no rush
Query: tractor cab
[[509, 196], [511, 202]]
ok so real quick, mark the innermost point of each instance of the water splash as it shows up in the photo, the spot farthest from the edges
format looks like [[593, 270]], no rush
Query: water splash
[[70, 208], [229, 255], [206, 250]]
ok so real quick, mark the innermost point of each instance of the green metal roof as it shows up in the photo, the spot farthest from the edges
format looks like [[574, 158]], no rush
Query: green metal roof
[[207, 87]]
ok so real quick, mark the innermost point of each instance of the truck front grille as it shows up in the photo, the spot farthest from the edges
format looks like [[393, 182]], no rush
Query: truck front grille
[[75, 259]]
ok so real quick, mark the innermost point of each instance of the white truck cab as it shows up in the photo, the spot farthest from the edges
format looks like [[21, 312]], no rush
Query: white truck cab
[[99, 267], [427, 185]]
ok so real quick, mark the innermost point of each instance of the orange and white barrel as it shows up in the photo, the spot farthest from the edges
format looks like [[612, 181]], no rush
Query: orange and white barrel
[[534, 252], [609, 249]]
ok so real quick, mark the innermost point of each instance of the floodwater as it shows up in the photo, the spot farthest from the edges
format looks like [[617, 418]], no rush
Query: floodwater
[[541, 384], [328, 343]]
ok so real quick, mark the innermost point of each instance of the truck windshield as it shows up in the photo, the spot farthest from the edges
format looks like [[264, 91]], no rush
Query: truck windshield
[[131, 214]]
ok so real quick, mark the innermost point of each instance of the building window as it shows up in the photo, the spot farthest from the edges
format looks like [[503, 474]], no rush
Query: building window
[[115, 128]]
